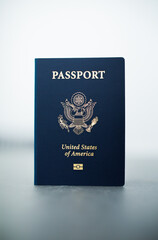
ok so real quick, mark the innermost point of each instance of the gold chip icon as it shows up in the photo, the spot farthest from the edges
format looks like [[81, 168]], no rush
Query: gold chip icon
[[78, 166]]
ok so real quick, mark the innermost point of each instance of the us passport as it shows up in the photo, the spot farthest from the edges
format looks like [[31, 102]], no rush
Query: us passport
[[79, 121]]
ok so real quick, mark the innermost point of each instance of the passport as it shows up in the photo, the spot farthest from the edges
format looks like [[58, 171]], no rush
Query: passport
[[79, 121]]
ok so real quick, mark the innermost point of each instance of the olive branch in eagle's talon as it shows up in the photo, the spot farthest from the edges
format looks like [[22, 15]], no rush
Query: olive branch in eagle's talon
[[63, 123]]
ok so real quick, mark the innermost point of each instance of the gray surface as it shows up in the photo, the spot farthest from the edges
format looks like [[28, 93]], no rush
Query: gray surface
[[67, 212]]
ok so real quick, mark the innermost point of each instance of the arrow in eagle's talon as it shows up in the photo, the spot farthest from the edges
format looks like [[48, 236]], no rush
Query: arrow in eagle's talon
[[93, 122]]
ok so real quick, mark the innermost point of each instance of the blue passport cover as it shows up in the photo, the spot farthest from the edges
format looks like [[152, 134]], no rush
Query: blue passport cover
[[79, 121]]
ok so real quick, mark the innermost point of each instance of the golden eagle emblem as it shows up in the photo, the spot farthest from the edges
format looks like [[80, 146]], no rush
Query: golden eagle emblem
[[78, 112]]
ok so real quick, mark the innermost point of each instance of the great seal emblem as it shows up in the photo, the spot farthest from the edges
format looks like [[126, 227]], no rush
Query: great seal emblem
[[78, 112]]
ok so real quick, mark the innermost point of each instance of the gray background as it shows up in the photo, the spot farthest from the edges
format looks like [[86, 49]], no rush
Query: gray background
[[116, 28]]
